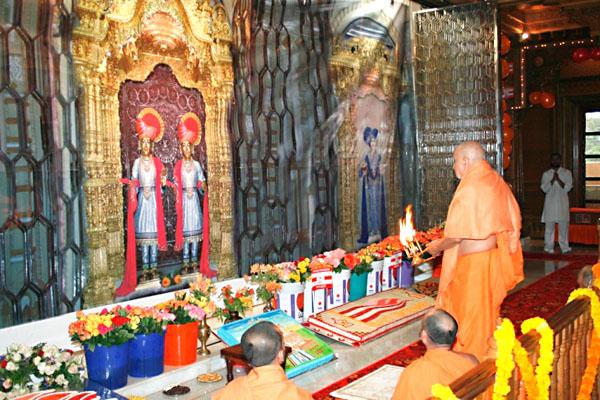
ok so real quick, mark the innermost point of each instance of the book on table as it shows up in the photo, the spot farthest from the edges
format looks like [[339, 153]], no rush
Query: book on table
[[308, 350]]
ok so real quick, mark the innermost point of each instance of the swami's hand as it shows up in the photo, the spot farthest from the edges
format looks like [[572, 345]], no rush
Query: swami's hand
[[434, 247]]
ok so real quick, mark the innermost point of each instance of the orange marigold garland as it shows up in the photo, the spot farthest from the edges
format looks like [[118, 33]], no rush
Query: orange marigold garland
[[593, 356]]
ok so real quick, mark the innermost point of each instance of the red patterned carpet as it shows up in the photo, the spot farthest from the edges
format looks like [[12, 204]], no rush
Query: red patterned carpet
[[542, 298]]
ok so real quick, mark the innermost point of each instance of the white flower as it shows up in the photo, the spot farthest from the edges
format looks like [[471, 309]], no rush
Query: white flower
[[73, 368], [36, 380], [49, 370], [61, 380], [7, 384], [16, 357], [37, 360], [41, 367], [11, 366]]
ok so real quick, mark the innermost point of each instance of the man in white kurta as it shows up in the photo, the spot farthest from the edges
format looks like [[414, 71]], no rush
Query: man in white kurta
[[556, 183]]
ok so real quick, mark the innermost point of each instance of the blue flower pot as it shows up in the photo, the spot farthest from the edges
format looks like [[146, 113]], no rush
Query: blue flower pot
[[146, 355], [407, 274], [358, 286], [108, 365]]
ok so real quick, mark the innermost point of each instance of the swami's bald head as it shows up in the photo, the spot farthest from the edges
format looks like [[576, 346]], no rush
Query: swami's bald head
[[262, 344], [439, 329], [466, 155]]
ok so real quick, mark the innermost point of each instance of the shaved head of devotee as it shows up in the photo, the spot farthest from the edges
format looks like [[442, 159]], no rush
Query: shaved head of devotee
[[440, 364], [438, 329], [465, 156], [585, 277], [263, 348], [263, 344]]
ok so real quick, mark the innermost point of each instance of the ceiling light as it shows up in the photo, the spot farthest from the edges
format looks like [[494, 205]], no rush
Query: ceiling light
[[525, 35]]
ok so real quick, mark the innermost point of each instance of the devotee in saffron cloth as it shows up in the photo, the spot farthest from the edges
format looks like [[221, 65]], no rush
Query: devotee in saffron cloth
[[440, 364], [190, 184], [482, 258], [373, 225], [264, 349], [145, 215], [191, 203]]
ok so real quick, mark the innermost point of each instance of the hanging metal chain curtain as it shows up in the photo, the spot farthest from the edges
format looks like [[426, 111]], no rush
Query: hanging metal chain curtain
[[41, 212], [285, 169], [456, 95]]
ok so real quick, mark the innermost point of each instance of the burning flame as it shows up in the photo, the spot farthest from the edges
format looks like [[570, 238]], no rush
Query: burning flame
[[407, 228]]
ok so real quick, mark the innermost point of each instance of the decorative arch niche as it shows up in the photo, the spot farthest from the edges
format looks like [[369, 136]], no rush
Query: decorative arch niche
[[126, 41]]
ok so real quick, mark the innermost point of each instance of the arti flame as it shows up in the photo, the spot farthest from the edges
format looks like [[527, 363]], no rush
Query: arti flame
[[407, 228]]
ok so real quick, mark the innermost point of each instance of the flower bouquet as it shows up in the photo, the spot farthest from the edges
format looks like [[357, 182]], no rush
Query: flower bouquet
[[146, 350], [266, 276], [202, 289], [25, 369], [105, 338], [234, 304], [292, 276], [182, 331]]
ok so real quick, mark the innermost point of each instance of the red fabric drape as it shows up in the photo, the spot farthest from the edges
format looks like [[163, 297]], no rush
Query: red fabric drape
[[130, 278]]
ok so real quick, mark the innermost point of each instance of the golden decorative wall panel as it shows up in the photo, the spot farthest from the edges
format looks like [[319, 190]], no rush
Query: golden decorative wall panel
[[125, 39]]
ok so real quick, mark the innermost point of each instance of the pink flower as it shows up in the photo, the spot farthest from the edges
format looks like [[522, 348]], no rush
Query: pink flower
[[104, 311], [334, 257], [103, 329]]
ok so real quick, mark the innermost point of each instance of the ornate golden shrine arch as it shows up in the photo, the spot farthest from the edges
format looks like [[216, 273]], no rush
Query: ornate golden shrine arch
[[126, 39], [363, 67]]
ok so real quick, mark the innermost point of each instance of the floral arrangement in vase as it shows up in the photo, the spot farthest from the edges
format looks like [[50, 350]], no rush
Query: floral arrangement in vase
[[294, 271], [185, 307], [202, 289], [147, 320], [266, 277], [25, 369], [106, 328], [364, 265], [234, 304]]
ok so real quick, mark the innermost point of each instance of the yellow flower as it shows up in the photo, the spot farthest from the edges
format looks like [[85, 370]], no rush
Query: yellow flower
[[443, 392]]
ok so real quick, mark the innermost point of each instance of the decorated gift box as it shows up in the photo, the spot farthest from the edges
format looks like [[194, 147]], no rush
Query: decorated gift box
[[365, 319], [308, 351]]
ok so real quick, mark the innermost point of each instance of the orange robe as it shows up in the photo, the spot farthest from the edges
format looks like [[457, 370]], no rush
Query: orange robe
[[268, 382], [436, 366], [473, 286]]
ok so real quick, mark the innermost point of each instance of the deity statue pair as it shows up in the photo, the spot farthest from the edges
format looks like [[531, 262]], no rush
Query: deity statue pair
[[145, 220]]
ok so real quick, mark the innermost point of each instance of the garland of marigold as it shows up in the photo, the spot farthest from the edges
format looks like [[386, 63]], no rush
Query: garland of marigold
[[505, 342], [593, 355], [443, 392], [546, 358]]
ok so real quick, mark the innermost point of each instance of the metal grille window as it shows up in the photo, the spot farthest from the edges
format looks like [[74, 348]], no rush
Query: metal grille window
[[40, 164], [285, 169]]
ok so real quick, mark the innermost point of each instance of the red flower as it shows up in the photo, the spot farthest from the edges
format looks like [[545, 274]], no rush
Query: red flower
[[230, 300], [119, 321], [104, 311], [351, 261], [3, 364], [41, 353]]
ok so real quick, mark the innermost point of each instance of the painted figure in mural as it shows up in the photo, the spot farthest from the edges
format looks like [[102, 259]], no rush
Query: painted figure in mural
[[145, 215], [190, 182], [373, 225]]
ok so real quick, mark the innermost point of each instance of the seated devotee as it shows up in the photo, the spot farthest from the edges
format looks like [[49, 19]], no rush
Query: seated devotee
[[585, 277], [440, 364], [264, 349]]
